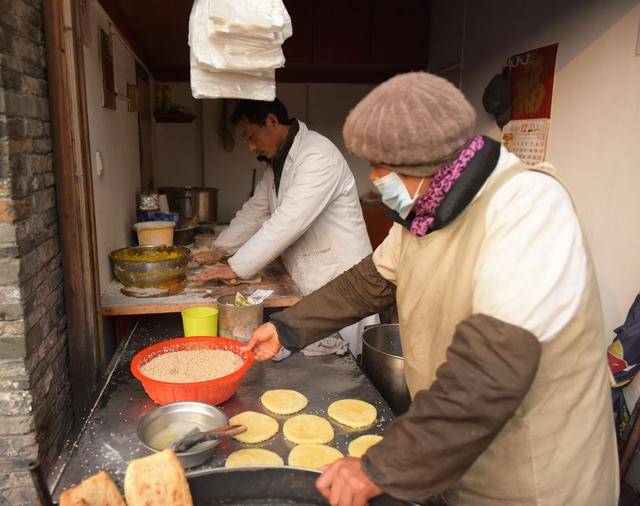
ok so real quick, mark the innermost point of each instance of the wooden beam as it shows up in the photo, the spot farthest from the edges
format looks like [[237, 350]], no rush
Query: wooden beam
[[341, 73], [74, 189], [129, 32]]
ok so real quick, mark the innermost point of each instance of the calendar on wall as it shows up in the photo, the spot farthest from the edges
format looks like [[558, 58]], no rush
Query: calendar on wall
[[531, 74], [527, 139]]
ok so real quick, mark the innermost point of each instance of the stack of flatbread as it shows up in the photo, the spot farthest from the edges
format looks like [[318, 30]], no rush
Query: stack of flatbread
[[157, 480]]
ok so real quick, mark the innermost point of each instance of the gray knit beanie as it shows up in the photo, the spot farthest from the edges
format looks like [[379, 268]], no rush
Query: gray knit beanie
[[413, 123]]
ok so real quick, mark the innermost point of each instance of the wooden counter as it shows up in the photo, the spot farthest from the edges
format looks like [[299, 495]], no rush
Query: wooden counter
[[274, 277]]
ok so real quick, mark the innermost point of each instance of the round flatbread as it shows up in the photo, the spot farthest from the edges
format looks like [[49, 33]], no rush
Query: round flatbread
[[359, 446], [254, 457], [283, 402], [313, 456], [353, 413], [307, 429], [259, 427]]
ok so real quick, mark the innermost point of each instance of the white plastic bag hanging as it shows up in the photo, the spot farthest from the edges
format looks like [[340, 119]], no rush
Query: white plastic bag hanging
[[236, 45]]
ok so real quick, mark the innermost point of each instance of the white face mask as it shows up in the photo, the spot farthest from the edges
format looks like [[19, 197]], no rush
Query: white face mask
[[395, 194]]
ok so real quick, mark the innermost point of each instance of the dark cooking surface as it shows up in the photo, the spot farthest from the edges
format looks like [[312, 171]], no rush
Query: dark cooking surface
[[108, 439], [263, 486]]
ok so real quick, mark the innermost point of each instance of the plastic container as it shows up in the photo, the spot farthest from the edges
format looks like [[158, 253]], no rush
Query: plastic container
[[214, 391], [146, 216], [157, 233], [168, 216], [238, 322], [200, 321]]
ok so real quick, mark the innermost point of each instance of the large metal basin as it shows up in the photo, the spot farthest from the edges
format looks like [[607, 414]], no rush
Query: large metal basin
[[150, 266], [383, 363], [274, 486]]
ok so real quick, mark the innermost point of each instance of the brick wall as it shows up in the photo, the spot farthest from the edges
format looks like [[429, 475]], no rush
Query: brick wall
[[35, 397]]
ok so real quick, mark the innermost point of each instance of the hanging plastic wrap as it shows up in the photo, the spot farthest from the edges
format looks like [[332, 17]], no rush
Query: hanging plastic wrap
[[236, 45]]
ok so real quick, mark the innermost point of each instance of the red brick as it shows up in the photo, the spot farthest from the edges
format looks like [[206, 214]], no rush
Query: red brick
[[6, 210]]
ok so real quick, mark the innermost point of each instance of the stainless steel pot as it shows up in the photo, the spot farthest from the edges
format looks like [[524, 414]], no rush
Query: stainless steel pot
[[383, 363], [193, 202]]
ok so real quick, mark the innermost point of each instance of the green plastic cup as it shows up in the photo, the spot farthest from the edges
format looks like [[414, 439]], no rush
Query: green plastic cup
[[200, 321]]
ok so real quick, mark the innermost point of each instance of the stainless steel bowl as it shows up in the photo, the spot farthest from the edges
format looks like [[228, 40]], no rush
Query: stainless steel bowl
[[184, 235], [383, 362], [150, 266], [197, 414]]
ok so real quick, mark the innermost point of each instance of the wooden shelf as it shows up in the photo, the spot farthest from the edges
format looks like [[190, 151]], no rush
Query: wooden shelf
[[174, 116]]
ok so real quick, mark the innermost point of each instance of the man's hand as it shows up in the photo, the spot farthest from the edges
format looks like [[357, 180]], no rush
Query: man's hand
[[264, 342], [217, 271], [343, 483], [208, 257]]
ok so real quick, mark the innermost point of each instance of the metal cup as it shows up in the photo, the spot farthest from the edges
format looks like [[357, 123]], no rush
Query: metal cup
[[238, 322]]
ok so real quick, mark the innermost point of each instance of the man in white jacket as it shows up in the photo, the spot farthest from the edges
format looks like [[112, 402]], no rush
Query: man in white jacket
[[305, 208]]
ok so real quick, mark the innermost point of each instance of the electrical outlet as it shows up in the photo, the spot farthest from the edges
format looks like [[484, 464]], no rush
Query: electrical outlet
[[99, 164]]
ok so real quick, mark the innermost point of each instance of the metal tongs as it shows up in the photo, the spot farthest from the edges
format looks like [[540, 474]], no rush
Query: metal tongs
[[196, 436]]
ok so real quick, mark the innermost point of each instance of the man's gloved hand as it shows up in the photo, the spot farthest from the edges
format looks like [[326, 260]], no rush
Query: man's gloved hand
[[264, 342]]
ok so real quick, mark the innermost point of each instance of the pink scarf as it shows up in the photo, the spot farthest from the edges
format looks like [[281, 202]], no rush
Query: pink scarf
[[427, 205]]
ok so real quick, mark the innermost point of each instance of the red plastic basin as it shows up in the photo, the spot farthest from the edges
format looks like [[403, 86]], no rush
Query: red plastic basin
[[214, 391]]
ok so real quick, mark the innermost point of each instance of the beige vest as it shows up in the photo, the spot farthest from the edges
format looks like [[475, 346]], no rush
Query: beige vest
[[559, 448]]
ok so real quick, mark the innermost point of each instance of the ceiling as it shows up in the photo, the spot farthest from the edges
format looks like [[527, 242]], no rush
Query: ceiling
[[158, 32], [334, 40]]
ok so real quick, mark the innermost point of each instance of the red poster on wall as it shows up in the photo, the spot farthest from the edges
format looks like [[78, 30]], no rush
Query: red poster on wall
[[532, 82]]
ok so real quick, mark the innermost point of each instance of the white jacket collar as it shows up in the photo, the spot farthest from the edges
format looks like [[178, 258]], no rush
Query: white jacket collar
[[295, 146]]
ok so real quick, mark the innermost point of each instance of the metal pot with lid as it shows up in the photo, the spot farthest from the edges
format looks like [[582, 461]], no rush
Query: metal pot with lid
[[193, 202]]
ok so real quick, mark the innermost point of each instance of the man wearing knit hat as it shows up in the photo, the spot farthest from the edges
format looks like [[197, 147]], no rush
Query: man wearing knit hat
[[499, 310]]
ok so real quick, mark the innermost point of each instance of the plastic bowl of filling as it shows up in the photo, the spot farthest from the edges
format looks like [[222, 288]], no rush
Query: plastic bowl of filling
[[155, 233], [175, 382]]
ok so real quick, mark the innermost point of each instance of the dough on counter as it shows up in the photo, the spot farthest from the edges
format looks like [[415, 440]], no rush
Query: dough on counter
[[359, 446], [158, 479], [307, 429], [283, 402], [353, 413], [253, 457], [97, 490], [259, 427], [313, 456], [239, 281]]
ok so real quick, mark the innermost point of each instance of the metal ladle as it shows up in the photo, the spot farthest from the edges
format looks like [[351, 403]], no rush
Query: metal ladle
[[196, 436]]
